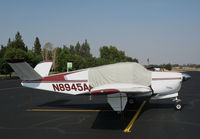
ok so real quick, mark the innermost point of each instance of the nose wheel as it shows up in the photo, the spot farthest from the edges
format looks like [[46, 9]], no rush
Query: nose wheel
[[178, 104]]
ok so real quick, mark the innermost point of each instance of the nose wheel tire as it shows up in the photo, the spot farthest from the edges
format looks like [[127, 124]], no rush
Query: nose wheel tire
[[178, 106]]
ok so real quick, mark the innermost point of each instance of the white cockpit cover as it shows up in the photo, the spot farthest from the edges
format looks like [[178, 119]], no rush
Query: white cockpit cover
[[127, 72]]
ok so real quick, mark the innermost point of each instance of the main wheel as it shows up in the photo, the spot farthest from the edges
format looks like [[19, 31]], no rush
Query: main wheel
[[178, 106], [130, 101]]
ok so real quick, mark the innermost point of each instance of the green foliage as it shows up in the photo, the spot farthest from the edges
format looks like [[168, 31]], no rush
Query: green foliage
[[78, 48], [78, 62], [64, 57], [79, 55], [4, 67], [13, 53], [33, 59], [18, 43], [113, 55], [9, 43], [71, 49], [62, 60], [37, 46], [85, 50], [168, 66], [2, 51], [91, 62], [10, 53]]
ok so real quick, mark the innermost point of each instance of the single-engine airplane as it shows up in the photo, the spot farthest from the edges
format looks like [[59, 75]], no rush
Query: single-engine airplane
[[121, 82]]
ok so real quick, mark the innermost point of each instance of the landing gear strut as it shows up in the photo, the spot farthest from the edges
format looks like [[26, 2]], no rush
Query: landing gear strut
[[178, 104]]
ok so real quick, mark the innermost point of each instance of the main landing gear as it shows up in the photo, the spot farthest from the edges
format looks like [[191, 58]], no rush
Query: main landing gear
[[178, 104]]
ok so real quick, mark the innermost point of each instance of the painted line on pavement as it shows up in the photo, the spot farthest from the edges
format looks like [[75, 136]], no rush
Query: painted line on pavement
[[128, 128], [55, 110], [69, 110], [2, 89]]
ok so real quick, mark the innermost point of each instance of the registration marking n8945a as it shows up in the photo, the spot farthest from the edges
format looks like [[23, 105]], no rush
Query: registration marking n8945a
[[71, 87]]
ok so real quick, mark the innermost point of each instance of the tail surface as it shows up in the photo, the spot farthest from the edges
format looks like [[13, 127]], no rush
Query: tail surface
[[26, 72], [43, 68]]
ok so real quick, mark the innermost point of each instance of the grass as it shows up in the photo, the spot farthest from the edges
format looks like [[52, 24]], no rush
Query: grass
[[184, 69], [7, 77]]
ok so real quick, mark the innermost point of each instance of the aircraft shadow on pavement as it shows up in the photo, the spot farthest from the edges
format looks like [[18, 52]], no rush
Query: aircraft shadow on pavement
[[115, 121], [56, 103], [107, 118], [112, 120], [64, 104], [160, 105]]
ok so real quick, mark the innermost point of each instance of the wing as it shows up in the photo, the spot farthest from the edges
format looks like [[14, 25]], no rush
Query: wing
[[117, 93], [133, 89]]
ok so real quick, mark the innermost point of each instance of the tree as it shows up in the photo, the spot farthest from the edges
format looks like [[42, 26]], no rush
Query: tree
[[62, 60], [71, 49], [11, 53], [37, 46], [104, 52], [46, 52], [85, 50], [64, 57], [9, 43], [92, 62], [65, 48], [33, 59], [2, 51], [78, 62], [130, 59], [77, 48], [18, 42], [113, 55], [168, 66], [4, 67], [55, 54]]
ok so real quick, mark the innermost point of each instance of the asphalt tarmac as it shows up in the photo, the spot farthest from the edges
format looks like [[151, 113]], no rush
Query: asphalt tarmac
[[28, 114]]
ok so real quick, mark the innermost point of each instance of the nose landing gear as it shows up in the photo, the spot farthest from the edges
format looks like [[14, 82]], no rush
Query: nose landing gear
[[178, 104]]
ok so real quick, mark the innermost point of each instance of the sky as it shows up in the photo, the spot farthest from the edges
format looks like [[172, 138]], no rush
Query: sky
[[165, 31]]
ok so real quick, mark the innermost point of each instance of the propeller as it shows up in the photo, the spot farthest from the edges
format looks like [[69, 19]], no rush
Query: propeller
[[186, 76]]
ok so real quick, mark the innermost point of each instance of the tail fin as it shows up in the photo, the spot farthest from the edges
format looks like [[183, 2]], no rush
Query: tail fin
[[43, 68], [26, 72]]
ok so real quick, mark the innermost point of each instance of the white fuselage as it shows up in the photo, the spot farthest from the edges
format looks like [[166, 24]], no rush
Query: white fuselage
[[164, 84]]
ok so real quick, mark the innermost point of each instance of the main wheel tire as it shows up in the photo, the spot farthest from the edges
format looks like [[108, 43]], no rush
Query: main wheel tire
[[130, 101], [178, 106]]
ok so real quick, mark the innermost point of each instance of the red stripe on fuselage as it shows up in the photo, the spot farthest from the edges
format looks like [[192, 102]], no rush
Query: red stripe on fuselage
[[58, 78]]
